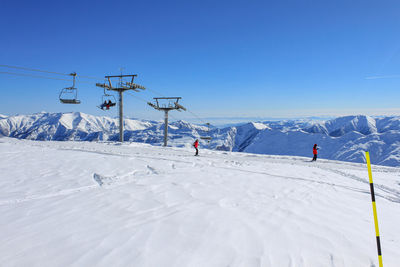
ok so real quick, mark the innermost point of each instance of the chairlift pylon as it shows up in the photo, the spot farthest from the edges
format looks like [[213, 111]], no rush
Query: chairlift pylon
[[69, 95]]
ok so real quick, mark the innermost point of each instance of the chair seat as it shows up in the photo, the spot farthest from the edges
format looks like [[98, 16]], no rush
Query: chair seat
[[70, 101]]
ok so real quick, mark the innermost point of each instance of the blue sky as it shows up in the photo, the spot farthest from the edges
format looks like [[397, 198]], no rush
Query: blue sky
[[224, 58]]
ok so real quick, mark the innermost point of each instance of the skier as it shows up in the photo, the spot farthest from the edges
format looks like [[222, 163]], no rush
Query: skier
[[315, 152], [196, 145]]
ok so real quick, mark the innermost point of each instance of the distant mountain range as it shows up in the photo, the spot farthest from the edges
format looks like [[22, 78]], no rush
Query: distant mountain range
[[343, 138]]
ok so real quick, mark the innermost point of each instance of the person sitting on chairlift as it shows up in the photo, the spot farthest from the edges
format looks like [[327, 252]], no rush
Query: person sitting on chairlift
[[107, 104], [104, 104]]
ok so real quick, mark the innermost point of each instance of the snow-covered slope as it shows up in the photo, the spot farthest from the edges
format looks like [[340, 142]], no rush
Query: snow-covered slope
[[106, 204], [343, 138]]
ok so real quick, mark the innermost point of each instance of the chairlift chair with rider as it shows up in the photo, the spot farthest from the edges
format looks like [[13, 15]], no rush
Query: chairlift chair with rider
[[107, 101]]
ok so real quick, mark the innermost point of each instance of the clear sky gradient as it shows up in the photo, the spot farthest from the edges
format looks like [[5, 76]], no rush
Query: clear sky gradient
[[224, 58]]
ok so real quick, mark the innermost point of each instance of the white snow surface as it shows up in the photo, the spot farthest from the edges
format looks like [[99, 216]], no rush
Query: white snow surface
[[106, 204]]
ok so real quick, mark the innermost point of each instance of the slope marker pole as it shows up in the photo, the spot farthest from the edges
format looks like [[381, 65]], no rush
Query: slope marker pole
[[371, 185]]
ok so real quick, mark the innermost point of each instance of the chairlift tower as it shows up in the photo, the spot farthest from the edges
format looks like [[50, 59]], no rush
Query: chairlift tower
[[121, 86], [172, 104]]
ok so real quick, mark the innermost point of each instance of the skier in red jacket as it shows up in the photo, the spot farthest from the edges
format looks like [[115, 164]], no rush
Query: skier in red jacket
[[315, 152], [196, 145]]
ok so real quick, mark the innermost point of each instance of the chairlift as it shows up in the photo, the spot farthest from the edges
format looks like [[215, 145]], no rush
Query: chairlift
[[107, 101], [69, 95], [208, 137]]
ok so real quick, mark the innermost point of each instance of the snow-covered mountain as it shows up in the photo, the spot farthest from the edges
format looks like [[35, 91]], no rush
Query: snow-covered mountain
[[343, 138], [66, 126]]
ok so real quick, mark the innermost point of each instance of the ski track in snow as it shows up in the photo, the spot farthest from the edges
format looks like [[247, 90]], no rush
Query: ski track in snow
[[130, 177], [394, 194], [64, 192]]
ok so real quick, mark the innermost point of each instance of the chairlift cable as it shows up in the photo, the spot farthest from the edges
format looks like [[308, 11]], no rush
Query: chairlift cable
[[154, 91], [46, 71], [196, 116], [138, 97], [172, 116], [38, 76], [35, 76], [29, 69], [88, 77]]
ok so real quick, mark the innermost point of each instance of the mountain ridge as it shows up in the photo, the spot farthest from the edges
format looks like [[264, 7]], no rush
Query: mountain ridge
[[343, 138]]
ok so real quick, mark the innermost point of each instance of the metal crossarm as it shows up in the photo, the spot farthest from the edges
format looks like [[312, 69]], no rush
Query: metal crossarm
[[103, 85]]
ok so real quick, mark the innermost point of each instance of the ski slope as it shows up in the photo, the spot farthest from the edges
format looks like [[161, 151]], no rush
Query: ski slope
[[106, 204]]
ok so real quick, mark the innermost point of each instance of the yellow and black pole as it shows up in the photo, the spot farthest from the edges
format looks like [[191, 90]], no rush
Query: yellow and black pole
[[371, 185]]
